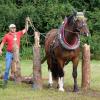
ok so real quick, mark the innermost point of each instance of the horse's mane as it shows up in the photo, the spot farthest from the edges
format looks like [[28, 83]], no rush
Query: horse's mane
[[70, 19]]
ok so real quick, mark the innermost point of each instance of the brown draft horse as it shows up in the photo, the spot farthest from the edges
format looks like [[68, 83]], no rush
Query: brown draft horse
[[62, 46]]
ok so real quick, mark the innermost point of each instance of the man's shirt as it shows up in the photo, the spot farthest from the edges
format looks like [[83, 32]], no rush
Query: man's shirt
[[9, 39]]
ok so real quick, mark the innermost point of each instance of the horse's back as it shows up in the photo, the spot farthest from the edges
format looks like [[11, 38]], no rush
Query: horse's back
[[50, 36]]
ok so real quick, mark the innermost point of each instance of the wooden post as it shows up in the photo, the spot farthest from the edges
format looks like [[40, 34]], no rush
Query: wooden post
[[16, 61], [37, 79], [12, 70], [86, 67]]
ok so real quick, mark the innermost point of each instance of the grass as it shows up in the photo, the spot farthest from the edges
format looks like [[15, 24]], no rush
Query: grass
[[25, 91]]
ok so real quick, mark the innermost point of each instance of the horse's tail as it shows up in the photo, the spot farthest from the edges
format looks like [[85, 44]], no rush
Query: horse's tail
[[44, 59], [56, 70]]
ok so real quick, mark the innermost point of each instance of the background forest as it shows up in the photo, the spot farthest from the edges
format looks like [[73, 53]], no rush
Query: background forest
[[48, 14]]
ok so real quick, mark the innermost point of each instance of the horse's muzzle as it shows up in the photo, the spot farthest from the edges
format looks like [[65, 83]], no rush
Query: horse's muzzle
[[87, 34]]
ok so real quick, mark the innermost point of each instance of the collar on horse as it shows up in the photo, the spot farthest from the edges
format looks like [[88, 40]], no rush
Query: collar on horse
[[62, 39]]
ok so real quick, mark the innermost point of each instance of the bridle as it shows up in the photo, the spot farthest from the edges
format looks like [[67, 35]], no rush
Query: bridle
[[81, 17]]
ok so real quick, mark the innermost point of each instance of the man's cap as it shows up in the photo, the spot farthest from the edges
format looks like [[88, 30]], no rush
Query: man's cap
[[12, 25]]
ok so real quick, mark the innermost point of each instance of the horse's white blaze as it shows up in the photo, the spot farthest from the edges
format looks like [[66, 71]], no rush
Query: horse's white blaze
[[61, 83], [50, 78]]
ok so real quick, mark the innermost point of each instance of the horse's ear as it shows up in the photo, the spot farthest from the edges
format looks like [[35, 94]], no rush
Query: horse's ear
[[74, 11], [65, 19]]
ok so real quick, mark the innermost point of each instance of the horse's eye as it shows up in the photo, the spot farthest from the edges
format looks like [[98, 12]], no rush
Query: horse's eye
[[78, 20]]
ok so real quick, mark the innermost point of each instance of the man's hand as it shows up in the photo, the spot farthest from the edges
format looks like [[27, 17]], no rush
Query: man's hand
[[1, 47], [0, 52], [27, 19]]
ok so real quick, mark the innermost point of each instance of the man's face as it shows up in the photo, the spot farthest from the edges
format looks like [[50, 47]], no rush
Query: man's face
[[13, 29]]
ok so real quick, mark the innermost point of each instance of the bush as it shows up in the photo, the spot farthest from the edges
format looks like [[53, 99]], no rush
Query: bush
[[46, 15]]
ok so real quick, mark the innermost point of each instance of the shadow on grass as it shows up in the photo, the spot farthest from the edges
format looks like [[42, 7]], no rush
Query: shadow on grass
[[69, 90]]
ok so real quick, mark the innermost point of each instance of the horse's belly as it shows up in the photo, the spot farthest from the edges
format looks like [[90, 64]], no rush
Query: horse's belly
[[66, 54]]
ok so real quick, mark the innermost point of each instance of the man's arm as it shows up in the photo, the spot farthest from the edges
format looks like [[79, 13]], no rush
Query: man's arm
[[1, 47], [4, 40], [26, 25]]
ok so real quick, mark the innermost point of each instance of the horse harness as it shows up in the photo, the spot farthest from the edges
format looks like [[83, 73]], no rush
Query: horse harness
[[60, 38]]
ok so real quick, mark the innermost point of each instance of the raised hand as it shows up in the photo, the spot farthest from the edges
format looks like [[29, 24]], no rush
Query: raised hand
[[0, 52], [27, 19]]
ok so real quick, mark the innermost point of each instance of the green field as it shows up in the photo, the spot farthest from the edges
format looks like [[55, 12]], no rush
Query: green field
[[25, 91]]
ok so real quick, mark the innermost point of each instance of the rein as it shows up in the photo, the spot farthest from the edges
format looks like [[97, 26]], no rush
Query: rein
[[71, 31]]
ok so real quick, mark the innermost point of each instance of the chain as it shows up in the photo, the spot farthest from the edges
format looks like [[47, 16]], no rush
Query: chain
[[34, 29]]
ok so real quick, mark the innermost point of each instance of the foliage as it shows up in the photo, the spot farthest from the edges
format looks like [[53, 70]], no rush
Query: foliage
[[46, 15]]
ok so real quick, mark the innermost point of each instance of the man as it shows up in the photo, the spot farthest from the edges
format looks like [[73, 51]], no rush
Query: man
[[9, 39]]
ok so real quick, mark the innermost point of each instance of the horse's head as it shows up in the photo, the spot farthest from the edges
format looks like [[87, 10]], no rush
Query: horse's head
[[81, 23]]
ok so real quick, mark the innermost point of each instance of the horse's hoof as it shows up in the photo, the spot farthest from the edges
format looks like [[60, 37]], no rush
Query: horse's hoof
[[61, 89], [57, 86], [49, 85], [76, 90]]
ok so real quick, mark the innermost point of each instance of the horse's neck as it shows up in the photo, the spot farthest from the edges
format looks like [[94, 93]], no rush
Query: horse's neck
[[69, 33]]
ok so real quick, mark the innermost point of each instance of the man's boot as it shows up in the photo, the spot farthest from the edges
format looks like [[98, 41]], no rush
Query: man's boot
[[5, 84]]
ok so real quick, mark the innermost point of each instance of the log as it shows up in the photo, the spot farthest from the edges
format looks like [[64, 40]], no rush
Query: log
[[27, 79], [37, 78], [24, 79], [86, 67]]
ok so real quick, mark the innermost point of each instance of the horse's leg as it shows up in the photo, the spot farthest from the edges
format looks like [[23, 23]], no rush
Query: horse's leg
[[75, 64], [50, 81], [61, 83], [61, 76]]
